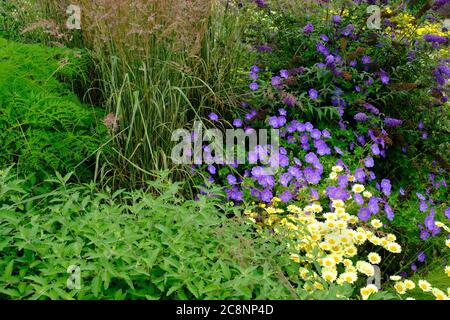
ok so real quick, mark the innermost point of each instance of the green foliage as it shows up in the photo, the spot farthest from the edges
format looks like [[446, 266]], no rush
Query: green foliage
[[13, 17], [43, 125], [132, 245]]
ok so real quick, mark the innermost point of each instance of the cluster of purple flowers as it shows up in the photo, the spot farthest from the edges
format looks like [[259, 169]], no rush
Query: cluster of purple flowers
[[305, 148], [441, 74]]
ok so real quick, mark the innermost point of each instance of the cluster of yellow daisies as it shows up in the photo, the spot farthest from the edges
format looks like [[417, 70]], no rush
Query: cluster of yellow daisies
[[329, 238], [325, 243]]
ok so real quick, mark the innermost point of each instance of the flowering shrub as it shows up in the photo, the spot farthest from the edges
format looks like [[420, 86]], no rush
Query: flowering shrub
[[337, 218], [324, 208]]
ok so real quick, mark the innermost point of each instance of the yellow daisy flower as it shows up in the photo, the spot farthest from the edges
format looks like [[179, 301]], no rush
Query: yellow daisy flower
[[400, 287], [409, 285], [358, 188], [376, 223], [425, 285], [374, 258]]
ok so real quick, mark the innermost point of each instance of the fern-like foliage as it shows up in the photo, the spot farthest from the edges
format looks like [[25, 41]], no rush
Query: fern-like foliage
[[43, 125]]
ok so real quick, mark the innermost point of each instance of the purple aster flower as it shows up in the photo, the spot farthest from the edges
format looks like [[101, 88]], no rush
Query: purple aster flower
[[304, 138], [436, 230], [421, 256], [343, 181], [311, 176], [389, 212], [361, 140], [353, 63], [213, 117], [420, 125], [373, 205], [295, 172], [314, 195], [360, 175], [313, 94], [424, 234], [309, 28], [366, 59], [386, 186], [284, 74], [429, 222], [364, 214], [413, 267], [423, 206], [311, 158], [285, 178], [308, 126], [231, 179], [266, 195], [402, 191], [326, 134], [358, 199], [375, 149], [286, 196], [420, 196], [255, 68], [337, 193], [316, 134], [338, 151], [447, 212], [322, 148], [266, 181], [384, 77], [211, 169], [276, 81], [336, 19], [237, 123], [249, 116], [368, 162], [277, 122], [324, 38], [254, 86], [322, 49], [329, 60]]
